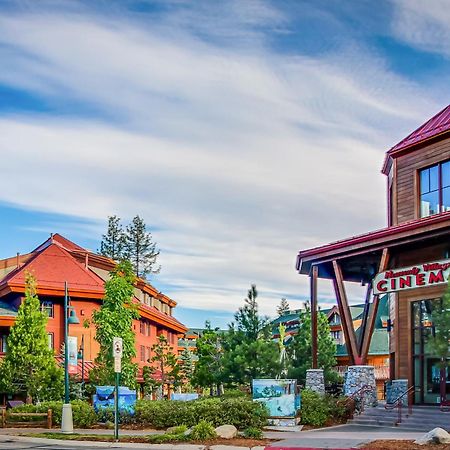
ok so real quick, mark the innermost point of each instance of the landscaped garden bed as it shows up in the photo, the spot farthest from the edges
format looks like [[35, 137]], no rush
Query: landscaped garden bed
[[403, 445]]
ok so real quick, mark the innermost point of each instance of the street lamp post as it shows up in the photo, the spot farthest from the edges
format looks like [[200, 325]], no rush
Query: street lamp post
[[67, 418]]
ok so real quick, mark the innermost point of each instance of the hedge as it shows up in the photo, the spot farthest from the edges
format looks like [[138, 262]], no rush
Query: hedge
[[240, 412]]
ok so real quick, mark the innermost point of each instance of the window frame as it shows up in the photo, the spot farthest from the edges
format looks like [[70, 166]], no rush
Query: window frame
[[46, 306], [440, 188]]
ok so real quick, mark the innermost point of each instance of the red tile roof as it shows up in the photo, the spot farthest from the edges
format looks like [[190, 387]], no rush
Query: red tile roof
[[437, 125]]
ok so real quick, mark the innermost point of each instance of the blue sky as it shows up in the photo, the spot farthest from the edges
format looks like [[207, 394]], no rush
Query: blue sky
[[241, 131]]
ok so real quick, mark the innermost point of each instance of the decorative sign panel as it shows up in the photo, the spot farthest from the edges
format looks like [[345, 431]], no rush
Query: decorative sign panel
[[420, 275]]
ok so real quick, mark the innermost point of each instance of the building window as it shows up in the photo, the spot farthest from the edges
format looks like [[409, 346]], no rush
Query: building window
[[142, 327], [3, 339], [50, 341], [142, 353], [336, 335], [435, 189], [47, 307]]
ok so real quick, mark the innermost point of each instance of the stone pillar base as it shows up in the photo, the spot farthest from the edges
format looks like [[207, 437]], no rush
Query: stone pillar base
[[315, 381], [395, 389], [358, 376]]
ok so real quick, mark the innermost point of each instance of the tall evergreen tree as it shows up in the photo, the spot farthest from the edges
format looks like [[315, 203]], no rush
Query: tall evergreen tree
[[187, 364], [29, 366], [300, 351], [140, 248], [115, 319], [283, 308], [249, 351], [113, 242]]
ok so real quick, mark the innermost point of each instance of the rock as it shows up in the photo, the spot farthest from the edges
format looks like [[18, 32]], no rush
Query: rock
[[435, 436], [188, 432], [171, 430], [226, 431], [315, 381]]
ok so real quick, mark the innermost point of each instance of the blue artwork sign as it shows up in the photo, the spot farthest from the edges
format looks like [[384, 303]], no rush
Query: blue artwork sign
[[104, 398], [279, 396]]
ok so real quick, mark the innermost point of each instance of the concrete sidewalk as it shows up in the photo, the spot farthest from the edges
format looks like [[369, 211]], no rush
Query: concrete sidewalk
[[340, 437], [96, 431]]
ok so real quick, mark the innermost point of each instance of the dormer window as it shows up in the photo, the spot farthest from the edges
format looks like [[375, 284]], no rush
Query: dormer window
[[435, 189]]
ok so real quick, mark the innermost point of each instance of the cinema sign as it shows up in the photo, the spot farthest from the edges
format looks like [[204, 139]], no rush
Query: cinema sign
[[420, 275]]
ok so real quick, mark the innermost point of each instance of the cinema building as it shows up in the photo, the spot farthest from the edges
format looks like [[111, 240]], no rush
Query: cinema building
[[408, 261]]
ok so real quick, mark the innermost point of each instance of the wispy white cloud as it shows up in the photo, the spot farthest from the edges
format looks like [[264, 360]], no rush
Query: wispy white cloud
[[237, 156]]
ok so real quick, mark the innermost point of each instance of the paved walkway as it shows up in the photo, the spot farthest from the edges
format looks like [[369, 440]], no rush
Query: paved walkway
[[338, 437], [341, 436]]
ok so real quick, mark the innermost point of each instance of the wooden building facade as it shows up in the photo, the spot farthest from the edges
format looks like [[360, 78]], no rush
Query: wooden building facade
[[408, 261]]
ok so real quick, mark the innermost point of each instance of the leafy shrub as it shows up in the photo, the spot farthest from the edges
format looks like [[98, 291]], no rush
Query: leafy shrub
[[83, 413], [253, 433], [317, 410], [235, 393], [240, 412], [202, 431]]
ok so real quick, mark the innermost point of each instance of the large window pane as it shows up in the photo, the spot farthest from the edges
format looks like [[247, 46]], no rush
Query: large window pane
[[429, 204], [424, 181], [434, 178], [446, 199], [446, 174]]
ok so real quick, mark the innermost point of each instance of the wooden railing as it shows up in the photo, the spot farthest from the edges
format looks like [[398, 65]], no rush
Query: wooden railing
[[47, 421]]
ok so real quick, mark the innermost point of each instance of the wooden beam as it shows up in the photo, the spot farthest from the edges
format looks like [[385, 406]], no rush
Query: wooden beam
[[368, 332], [365, 316], [313, 278], [344, 311]]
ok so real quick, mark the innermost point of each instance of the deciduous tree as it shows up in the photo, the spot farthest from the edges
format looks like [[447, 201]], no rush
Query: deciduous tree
[[115, 319], [29, 366]]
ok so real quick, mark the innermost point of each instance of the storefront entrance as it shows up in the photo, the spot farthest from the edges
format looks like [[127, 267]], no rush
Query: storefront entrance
[[427, 372]]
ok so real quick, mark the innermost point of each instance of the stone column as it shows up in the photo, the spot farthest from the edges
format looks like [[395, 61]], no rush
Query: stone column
[[397, 388], [357, 377], [315, 381]]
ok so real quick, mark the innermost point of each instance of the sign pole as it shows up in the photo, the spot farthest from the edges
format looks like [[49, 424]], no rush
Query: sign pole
[[117, 354], [116, 408]]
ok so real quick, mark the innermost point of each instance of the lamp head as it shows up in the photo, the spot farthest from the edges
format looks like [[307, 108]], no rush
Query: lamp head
[[73, 319]]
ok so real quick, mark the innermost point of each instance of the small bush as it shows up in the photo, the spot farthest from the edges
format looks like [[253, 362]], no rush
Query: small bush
[[202, 431], [181, 429], [253, 433]]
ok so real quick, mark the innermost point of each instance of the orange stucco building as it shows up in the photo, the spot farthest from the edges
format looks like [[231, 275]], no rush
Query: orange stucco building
[[59, 260]]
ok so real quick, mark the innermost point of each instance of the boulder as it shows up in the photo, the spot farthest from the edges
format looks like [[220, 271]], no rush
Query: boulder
[[171, 430], [435, 436], [226, 431]]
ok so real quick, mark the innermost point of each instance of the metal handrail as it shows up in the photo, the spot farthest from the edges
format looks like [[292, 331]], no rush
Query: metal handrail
[[359, 394], [398, 403]]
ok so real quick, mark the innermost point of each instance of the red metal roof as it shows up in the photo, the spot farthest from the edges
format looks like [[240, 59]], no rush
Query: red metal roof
[[437, 125]]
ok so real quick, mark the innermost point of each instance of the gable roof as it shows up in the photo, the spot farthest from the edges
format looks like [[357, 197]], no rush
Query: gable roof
[[436, 126], [52, 267]]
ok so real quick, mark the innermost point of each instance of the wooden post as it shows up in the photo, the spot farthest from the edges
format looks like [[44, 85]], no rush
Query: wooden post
[[346, 318], [313, 278], [49, 419], [368, 332], [365, 318]]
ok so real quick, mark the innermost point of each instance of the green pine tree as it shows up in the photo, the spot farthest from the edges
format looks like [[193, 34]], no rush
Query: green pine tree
[[115, 319], [283, 308], [300, 351], [249, 351], [29, 367], [187, 364], [140, 249], [113, 242]]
